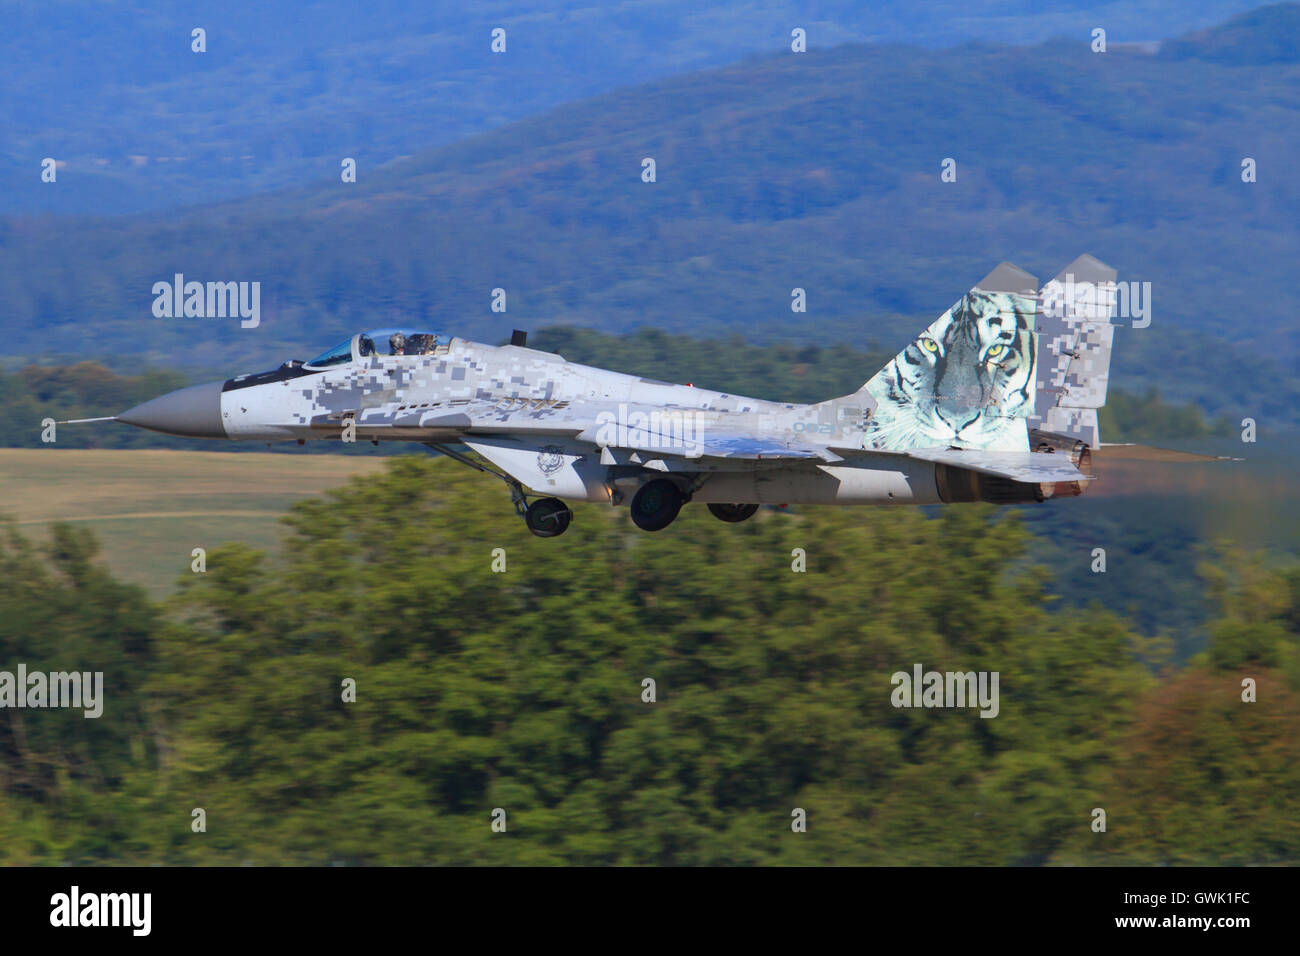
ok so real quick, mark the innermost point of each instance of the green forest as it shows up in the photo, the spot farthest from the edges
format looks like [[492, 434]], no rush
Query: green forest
[[521, 690]]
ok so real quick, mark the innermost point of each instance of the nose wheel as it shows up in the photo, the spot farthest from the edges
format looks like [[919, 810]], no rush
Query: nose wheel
[[547, 517]]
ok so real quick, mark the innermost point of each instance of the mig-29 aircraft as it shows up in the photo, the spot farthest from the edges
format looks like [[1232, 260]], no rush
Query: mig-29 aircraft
[[996, 401]]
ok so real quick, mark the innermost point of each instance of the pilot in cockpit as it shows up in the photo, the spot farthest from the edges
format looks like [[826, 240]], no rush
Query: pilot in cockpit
[[397, 344]]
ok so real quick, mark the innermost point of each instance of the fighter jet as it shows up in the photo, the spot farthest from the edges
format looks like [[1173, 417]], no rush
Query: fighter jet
[[996, 401]]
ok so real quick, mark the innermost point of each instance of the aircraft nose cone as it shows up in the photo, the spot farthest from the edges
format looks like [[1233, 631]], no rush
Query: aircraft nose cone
[[193, 412]]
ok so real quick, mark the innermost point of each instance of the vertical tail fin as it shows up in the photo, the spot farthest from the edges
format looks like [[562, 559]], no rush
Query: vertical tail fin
[[1074, 342], [969, 380], [1005, 359]]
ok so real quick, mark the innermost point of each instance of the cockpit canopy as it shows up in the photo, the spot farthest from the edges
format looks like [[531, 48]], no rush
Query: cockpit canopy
[[397, 342], [338, 355], [380, 342]]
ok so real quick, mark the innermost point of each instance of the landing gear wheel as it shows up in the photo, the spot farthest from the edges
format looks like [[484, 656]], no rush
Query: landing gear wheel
[[732, 513], [656, 504], [548, 517]]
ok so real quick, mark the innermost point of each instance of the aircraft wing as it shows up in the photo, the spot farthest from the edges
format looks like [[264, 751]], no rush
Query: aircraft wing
[[759, 449], [646, 443], [645, 433], [650, 439], [1130, 452]]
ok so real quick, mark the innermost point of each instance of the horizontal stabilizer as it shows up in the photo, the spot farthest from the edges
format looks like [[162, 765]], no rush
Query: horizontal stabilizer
[[1029, 467], [1026, 466]]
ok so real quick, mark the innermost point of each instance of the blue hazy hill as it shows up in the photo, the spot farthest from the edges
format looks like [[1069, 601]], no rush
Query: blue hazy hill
[[284, 91]]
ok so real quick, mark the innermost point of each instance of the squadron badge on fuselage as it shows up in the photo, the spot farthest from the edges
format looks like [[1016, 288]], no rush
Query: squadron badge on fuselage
[[550, 459]]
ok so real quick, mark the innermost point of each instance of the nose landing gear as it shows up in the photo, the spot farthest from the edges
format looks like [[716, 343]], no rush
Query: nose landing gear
[[547, 517]]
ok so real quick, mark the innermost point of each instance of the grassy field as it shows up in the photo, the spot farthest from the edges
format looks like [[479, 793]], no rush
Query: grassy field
[[149, 509]]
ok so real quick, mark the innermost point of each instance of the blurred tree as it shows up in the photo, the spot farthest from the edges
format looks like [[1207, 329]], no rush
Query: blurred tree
[[522, 691]]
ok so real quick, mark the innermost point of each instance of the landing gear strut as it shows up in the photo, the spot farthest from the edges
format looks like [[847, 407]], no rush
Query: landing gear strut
[[732, 513], [656, 504], [545, 517]]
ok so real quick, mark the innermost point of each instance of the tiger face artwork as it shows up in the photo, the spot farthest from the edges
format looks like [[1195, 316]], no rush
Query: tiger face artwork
[[968, 381]]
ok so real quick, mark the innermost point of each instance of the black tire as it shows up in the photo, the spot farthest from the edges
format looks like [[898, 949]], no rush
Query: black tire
[[548, 517], [732, 513], [656, 504]]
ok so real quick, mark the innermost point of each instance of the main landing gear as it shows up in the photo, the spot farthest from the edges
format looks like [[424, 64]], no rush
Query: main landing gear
[[732, 513], [654, 507], [656, 504]]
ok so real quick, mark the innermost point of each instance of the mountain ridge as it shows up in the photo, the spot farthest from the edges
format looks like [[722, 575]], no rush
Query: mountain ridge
[[819, 171]]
